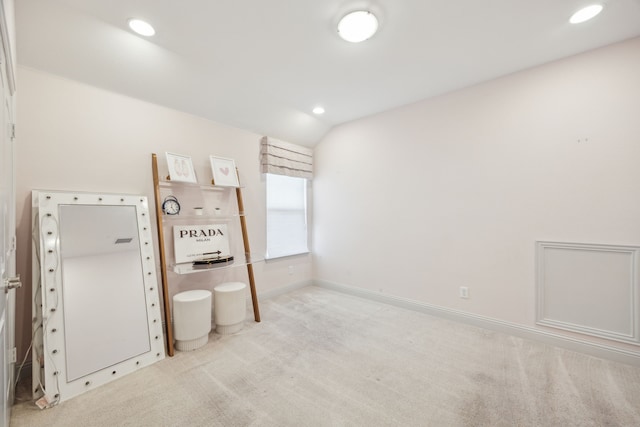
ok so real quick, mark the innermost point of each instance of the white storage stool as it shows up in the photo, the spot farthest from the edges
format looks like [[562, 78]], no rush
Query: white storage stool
[[229, 307], [191, 319]]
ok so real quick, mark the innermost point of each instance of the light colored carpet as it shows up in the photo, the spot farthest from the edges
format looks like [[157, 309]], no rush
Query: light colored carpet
[[322, 358]]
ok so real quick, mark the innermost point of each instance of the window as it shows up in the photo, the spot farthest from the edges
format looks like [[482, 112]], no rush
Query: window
[[286, 216]]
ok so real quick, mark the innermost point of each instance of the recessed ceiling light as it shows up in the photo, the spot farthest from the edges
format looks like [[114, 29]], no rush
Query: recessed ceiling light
[[358, 26], [318, 110], [585, 13], [141, 27]]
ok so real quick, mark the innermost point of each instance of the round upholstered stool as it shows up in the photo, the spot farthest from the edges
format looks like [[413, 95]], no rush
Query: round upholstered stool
[[229, 307], [191, 319]]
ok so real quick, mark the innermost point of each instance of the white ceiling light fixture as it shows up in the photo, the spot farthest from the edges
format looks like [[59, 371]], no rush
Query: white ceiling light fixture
[[141, 27], [358, 26], [318, 110], [585, 14]]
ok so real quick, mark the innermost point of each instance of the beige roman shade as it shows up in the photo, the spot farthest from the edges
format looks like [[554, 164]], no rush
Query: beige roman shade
[[283, 158]]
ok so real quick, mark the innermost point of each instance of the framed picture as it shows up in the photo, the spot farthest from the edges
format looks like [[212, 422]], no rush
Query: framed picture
[[199, 242], [180, 168], [224, 172]]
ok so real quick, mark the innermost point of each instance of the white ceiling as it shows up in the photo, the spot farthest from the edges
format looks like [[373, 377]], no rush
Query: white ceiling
[[262, 65]]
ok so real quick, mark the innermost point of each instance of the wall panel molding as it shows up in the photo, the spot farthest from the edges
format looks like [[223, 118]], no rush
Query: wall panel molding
[[589, 288]]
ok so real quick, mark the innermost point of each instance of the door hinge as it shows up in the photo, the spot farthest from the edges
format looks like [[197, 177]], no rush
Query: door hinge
[[12, 130], [13, 356], [12, 283], [13, 244]]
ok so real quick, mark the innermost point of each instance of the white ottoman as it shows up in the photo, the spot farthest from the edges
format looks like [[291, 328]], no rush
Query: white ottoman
[[229, 307], [191, 319]]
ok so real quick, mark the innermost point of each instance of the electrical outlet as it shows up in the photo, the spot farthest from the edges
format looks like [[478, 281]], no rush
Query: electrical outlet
[[464, 292], [290, 270]]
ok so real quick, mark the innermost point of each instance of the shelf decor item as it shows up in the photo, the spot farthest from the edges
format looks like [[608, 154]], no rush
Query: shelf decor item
[[181, 168], [171, 206], [199, 242], [224, 172]]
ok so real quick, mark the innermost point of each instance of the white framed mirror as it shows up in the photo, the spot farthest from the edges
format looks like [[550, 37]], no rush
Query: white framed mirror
[[96, 301]]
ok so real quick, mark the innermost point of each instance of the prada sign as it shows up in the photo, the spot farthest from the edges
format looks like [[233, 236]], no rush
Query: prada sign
[[198, 242]]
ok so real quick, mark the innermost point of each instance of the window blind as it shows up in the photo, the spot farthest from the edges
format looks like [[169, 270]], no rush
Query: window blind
[[283, 158]]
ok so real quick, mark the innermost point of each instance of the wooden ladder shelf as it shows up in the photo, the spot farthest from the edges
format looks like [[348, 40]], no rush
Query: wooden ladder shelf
[[163, 259]]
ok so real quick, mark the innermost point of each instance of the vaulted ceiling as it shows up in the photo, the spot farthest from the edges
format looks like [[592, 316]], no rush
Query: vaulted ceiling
[[262, 65]]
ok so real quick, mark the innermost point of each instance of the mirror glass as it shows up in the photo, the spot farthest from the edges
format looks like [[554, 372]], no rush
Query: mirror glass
[[100, 255]]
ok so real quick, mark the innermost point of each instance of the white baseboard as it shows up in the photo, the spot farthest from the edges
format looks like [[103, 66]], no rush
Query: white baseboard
[[283, 290], [569, 343]]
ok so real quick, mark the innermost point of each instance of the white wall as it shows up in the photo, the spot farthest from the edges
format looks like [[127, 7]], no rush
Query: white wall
[[454, 191], [80, 138], [415, 202]]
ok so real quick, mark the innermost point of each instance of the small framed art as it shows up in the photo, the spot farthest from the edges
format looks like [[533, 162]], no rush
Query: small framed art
[[224, 172], [180, 168], [200, 242]]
